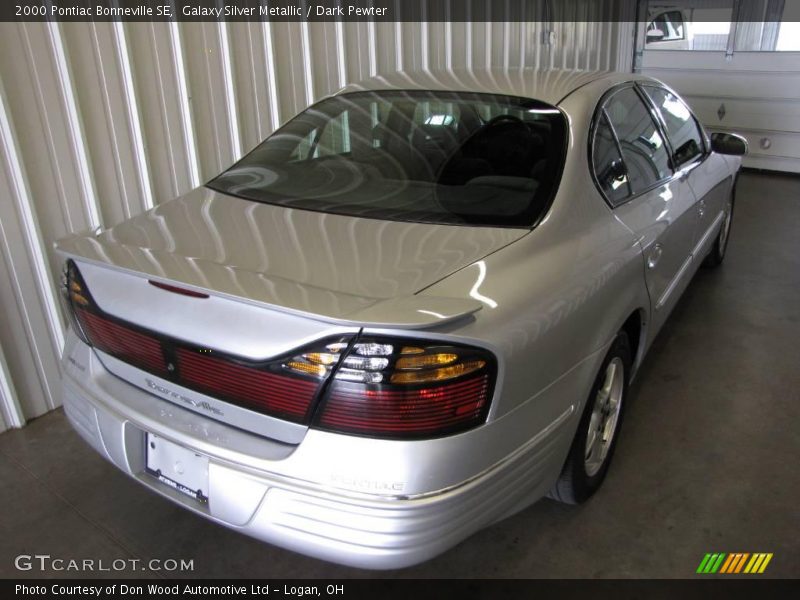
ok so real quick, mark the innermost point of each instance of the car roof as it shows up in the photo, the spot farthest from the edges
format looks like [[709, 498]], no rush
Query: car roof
[[547, 85]]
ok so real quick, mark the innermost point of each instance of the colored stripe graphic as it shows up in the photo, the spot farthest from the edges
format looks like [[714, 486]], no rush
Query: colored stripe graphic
[[727, 564], [735, 556], [755, 561], [711, 563], [703, 563], [715, 567], [737, 563], [764, 564], [734, 562]]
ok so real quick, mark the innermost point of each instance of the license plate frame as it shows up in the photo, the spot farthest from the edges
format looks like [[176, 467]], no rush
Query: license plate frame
[[183, 470]]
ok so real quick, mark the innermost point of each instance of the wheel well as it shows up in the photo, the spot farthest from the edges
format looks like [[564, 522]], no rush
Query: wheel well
[[633, 327]]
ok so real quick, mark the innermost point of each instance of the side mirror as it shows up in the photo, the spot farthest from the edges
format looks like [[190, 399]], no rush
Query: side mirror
[[654, 35], [728, 143]]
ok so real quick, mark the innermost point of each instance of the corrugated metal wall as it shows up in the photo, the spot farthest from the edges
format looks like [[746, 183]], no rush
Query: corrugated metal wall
[[101, 121]]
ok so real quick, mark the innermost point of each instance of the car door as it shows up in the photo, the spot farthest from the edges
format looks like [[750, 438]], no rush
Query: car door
[[707, 174], [631, 162]]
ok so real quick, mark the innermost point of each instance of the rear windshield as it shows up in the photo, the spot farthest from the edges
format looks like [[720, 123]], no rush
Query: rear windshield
[[434, 157]]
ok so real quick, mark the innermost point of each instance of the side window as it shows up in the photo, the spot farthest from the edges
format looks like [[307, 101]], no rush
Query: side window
[[682, 129], [609, 169], [643, 148]]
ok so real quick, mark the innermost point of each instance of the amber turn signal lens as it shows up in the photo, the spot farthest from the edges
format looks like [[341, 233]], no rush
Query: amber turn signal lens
[[428, 360], [437, 374], [307, 368], [321, 358], [412, 350]]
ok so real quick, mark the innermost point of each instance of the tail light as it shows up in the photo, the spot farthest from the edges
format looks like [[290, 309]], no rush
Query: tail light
[[285, 388], [408, 389], [113, 337], [384, 387]]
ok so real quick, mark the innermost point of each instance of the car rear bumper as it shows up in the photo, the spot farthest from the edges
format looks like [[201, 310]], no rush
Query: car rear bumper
[[359, 529]]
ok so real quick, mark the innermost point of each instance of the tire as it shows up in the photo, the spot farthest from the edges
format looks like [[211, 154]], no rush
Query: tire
[[717, 253], [586, 467]]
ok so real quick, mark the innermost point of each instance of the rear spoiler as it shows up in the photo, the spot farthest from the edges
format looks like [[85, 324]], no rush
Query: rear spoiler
[[273, 293], [416, 312]]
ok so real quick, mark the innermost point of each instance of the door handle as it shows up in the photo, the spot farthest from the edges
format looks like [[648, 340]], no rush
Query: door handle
[[701, 208], [654, 256]]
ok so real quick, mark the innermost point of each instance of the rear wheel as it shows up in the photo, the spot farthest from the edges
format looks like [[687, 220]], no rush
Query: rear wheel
[[595, 440], [717, 254]]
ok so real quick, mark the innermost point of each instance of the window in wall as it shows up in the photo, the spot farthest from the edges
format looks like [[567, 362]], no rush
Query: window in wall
[[761, 25], [768, 26], [666, 27], [689, 26]]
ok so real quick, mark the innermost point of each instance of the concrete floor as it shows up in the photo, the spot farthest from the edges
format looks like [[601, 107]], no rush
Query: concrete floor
[[707, 460]]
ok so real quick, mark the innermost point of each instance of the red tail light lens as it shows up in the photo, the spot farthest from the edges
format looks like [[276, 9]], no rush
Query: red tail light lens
[[408, 389], [129, 344], [277, 395], [285, 388], [122, 342]]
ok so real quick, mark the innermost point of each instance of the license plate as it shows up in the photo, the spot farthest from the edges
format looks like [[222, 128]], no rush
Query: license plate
[[177, 467]]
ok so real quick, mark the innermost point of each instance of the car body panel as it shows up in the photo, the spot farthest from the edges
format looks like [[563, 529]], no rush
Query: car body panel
[[712, 181], [312, 264], [664, 221], [546, 301]]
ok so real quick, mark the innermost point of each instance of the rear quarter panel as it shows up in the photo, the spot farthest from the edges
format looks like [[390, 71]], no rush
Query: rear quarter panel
[[558, 296]]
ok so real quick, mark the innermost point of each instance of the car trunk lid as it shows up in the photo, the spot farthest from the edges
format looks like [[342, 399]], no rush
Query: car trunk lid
[[333, 268]]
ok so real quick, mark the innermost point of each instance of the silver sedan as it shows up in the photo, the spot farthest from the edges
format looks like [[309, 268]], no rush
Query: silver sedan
[[412, 311]]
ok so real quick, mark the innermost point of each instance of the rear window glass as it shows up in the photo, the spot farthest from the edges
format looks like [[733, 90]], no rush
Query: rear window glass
[[452, 158]]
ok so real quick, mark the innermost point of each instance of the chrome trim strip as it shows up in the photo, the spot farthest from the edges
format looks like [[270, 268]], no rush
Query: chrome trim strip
[[708, 233], [674, 283], [687, 263]]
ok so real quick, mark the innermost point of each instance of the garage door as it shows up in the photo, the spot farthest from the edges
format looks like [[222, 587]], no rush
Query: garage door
[[737, 62]]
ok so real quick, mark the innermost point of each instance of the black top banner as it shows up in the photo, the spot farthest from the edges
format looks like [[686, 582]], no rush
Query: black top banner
[[318, 10], [354, 10]]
